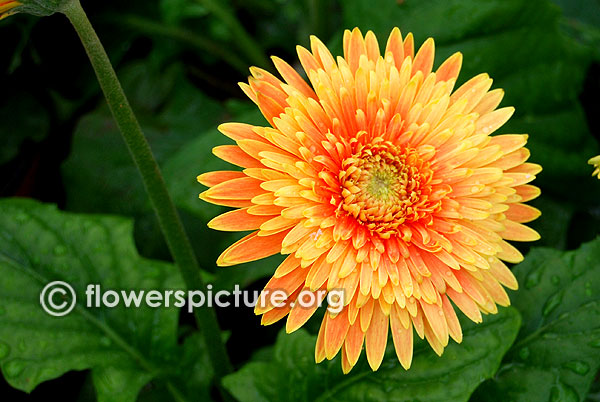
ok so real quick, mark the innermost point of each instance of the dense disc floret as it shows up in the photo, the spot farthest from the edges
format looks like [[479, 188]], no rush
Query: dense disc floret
[[378, 179]]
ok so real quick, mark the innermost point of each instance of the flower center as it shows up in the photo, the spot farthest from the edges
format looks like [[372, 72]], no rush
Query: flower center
[[384, 186]]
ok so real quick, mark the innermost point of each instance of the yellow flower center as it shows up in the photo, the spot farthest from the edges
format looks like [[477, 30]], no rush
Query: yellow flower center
[[384, 186]]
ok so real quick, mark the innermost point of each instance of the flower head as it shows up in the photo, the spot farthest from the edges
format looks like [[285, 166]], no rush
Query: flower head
[[595, 161], [7, 8], [379, 180]]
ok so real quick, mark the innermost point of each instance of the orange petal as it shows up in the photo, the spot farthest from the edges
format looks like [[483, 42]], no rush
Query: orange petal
[[346, 366], [250, 248], [354, 342], [522, 213], [509, 142], [225, 202], [320, 345], [354, 48], [336, 329], [465, 304], [244, 188], [528, 192], [322, 54], [302, 313], [234, 154], [239, 131], [289, 284], [403, 339], [237, 220], [248, 91], [488, 123], [211, 179], [264, 76], [278, 313], [376, 337], [489, 102], [454, 328], [504, 275], [288, 265], [396, 47], [293, 78], [372, 46], [517, 232], [424, 58], [437, 321], [271, 92], [450, 68], [307, 60], [269, 107], [409, 45], [509, 253], [527, 169]]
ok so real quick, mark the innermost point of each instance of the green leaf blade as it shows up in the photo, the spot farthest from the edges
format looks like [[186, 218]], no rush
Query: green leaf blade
[[124, 347], [557, 354]]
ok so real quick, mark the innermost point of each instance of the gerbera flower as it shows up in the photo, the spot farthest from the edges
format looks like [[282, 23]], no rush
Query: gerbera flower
[[7, 8], [378, 179], [595, 161]]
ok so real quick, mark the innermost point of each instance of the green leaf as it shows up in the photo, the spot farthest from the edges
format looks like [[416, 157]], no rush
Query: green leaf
[[293, 375], [557, 353], [124, 347]]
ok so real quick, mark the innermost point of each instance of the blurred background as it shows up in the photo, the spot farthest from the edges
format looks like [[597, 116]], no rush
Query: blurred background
[[180, 61]]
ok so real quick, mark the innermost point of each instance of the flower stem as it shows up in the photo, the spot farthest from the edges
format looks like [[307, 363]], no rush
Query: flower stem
[[246, 44], [168, 218]]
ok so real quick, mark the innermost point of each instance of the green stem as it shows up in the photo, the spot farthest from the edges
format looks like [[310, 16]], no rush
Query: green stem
[[246, 44], [150, 27], [168, 218]]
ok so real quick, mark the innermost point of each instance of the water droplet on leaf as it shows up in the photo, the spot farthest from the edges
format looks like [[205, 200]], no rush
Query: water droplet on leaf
[[533, 279], [4, 350], [578, 367], [14, 368], [524, 353], [552, 302]]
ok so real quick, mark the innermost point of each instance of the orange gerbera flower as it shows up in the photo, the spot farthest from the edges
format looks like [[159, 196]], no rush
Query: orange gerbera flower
[[379, 180], [7, 8]]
